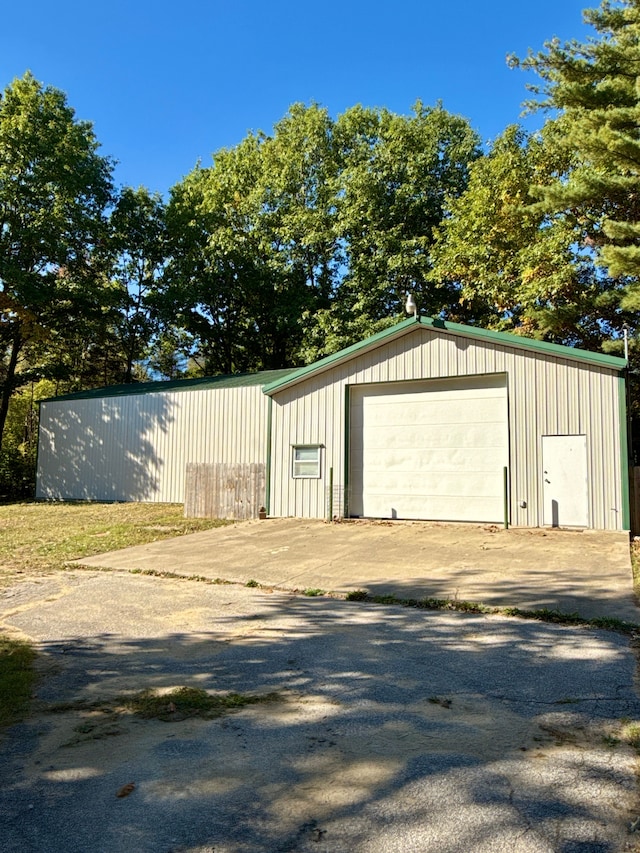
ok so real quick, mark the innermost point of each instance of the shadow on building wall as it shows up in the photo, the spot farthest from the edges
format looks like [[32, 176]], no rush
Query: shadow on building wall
[[111, 449]]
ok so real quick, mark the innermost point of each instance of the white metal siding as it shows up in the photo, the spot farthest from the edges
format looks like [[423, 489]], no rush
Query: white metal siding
[[547, 395], [136, 447]]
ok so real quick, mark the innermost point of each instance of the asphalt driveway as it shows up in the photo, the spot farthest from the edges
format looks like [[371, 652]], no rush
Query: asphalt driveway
[[393, 730], [584, 572]]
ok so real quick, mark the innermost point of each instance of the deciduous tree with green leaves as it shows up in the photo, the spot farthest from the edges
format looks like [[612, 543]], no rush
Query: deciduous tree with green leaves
[[252, 245], [54, 189], [138, 247], [293, 245], [396, 173]]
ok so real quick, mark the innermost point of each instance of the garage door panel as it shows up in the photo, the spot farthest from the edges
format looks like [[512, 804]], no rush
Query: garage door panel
[[425, 412], [439, 459], [475, 484], [438, 508], [432, 449], [434, 436]]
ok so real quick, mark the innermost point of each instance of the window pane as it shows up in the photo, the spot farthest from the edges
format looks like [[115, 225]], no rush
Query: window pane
[[306, 469], [306, 461], [306, 454]]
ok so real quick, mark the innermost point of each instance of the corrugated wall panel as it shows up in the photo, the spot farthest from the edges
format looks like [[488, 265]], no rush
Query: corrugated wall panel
[[136, 447], [548, 395]]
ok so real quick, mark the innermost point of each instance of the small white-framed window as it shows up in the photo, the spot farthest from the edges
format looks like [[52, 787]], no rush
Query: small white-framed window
[[306, 461]]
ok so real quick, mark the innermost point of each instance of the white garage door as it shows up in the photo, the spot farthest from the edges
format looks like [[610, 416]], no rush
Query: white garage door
[[433, 450]]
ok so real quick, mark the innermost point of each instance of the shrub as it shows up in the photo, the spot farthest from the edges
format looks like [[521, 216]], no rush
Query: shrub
[[17, 474]]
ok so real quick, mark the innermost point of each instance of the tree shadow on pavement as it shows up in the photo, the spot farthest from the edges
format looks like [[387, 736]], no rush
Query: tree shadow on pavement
[[397, 730]]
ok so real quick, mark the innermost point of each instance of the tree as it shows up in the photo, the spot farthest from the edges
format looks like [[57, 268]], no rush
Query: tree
[[478, 246], [215, 264], [54, 188], [252, 245], [594, 85], [139, 246], [299, 187], [395, 176], [295, 244], [517, 268], [19, 449]]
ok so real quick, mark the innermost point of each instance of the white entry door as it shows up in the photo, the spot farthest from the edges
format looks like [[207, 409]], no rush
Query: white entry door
[[433, 449], [564, 465]]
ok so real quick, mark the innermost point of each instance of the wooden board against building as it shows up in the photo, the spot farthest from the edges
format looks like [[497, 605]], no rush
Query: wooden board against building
[[224, 490]]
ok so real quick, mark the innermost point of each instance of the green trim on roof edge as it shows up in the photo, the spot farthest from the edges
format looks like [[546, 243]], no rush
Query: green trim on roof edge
[[511, 340], [342, 355], [236, 380], [502, 338]]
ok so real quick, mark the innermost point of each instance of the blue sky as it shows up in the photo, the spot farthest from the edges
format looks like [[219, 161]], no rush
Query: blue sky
[[166, 84]]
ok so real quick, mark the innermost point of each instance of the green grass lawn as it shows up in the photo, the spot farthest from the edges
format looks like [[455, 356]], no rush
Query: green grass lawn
[[38, 538]]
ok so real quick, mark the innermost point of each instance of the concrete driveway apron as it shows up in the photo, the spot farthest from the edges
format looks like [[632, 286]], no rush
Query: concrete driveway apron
[[584, 572]]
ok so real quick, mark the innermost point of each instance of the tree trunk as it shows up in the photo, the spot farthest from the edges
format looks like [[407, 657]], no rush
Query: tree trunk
[[8, 387], [128, 376]]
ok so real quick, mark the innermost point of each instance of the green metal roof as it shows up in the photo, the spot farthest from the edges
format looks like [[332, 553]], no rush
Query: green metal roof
[[502, 338], [237, 380], [274, 380]]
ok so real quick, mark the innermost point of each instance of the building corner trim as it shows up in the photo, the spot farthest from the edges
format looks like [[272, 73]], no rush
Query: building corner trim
[[347, 443], [624, 452], [267, 496]]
